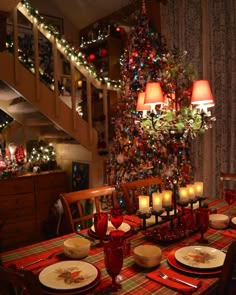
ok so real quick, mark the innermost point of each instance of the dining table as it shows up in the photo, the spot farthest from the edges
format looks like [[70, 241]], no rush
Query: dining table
[[135, 279]]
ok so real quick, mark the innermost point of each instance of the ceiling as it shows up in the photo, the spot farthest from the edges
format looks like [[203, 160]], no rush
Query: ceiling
[[85, 12]]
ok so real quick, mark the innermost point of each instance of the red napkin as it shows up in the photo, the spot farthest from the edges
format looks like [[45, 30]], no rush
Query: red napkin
[[154, 275], [132, 220], [39, 265], [230, 233]]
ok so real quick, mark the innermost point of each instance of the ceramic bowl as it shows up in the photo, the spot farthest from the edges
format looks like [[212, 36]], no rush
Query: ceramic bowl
[[76, 248], [147, 255], [218, 221]]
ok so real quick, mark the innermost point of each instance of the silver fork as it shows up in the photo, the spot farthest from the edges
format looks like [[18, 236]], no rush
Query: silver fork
[[165, 277], [39, 260]]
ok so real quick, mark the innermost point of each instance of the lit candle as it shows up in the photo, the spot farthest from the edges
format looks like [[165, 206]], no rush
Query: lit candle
[[198, 188], [167, 198], [183, 194], [157, 201], [191, 191], [143, 204]]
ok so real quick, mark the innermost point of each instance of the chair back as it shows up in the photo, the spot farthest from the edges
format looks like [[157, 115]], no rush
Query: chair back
[[227, 178], [226, 284], [133, 189], [79, 206], [24, 281]]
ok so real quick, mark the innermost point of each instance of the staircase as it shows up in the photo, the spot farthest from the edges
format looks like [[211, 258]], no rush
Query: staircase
[[33, 104]]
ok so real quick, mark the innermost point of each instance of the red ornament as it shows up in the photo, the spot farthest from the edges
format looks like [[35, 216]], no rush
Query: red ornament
[[103, 52], [91, 57]]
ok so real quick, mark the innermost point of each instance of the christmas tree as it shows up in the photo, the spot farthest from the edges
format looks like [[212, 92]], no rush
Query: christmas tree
[[135, 152]]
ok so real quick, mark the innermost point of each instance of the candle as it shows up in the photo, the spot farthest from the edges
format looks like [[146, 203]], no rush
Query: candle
[[199, 188], [157, 201], [191, 191], [183, 194], [167, 198], [144, 204]]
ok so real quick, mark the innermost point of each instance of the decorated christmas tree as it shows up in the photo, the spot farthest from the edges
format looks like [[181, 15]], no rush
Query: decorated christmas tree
[[136, 152]]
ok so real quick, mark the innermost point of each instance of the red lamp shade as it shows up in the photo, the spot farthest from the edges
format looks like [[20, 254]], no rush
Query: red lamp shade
[[201, 94], [153, 94], [140, 103]]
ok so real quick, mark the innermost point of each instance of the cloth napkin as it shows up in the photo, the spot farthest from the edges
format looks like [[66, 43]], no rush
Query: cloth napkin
[[229, 233], [184, 289], [132, 220], [59, 255]]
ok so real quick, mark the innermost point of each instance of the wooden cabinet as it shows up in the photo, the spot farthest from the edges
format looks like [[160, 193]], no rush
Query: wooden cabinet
[[25, 202]]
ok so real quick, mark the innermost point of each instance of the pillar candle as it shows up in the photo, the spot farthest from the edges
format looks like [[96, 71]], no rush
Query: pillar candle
[[167, 198], [191, 191], [143, 204], [157, 201], [198, 188], [183, 194]]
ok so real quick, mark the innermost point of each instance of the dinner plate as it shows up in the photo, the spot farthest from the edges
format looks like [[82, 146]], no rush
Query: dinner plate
[[68, 275], [124, 226], [233, 221], [188, 270], [200, 257]]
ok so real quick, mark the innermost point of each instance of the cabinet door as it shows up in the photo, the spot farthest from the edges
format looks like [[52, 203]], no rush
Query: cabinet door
[[47, 190], [19, 222]]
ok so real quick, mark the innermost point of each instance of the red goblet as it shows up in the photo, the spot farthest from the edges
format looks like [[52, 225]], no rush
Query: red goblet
[[113, 258], [100, 225], [202, 221], [189, 225], [116, 217], [230, 196]]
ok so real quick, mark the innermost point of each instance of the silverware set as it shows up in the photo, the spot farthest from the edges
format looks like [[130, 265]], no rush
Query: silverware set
[[165, 277]]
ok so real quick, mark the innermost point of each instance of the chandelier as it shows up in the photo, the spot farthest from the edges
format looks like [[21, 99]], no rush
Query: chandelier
[[176, 112]]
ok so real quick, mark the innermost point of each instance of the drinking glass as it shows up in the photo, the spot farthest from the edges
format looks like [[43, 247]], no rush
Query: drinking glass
[[202, 221], [116, 217], [189, 225], [100, 225], [230, 196], [113, 259]]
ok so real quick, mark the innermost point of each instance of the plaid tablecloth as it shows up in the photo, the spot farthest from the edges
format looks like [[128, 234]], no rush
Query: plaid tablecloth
[[135, 280]]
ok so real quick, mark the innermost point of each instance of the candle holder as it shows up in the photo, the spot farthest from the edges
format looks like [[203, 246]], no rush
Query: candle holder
[[168, 209], [143, 216], [193, 201], [182, 204], [157, 213], [200, 199]]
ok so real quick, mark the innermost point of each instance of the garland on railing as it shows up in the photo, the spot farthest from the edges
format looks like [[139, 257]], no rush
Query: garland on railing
[[72, 53]]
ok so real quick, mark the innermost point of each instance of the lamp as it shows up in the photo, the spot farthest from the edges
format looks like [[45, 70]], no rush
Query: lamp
[[201, 93], [140, 104], [180, 112], [153, 95]]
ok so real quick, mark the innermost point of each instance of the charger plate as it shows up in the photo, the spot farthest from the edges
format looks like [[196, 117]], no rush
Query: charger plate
[[124, 226], [188, 270], [72, 275], [200, 257]]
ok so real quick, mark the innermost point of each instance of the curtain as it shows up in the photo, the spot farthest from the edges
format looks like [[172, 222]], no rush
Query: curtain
[[206, 29]]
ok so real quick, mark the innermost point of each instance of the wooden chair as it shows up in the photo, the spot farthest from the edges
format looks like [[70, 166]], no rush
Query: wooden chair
[[226, 285], [74, 204], [133, 189], [226, 177], [13, 282]]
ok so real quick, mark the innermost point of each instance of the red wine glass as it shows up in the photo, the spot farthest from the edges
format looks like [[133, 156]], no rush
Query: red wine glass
[[100, 225], [230, 196], [189, 225], [116, 217], [202, 221], [113, 258]]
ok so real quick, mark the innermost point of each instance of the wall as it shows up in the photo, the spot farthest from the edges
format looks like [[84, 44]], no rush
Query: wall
[[46, 7], [67, 153]]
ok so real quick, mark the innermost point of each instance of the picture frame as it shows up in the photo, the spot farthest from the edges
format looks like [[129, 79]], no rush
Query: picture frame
[[80, 176], [55, 21]]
